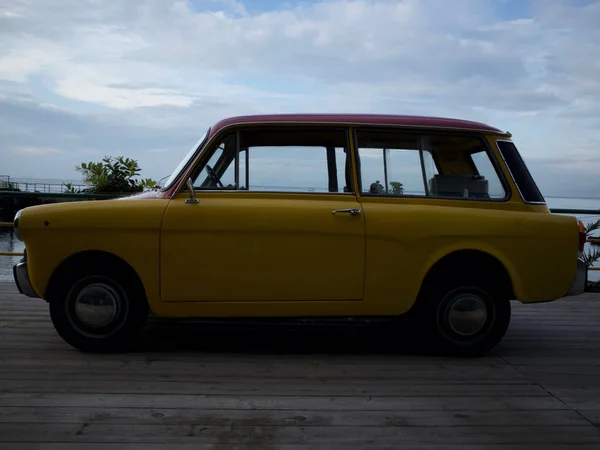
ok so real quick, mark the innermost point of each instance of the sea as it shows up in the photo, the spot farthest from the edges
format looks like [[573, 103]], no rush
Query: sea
[[9, 243]]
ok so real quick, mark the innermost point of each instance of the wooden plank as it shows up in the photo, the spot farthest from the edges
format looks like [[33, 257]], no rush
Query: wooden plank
[[593, 415], [193, 385], [344, 360], [370, 365], [274, 446], [107, 375], [575, 362], [261, 361], [290, 370], [580, 399], [217, 417], [324, 403], [263, 436], [98, 385]]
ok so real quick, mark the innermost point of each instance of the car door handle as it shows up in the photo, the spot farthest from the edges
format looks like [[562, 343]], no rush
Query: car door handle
[[352, 212]]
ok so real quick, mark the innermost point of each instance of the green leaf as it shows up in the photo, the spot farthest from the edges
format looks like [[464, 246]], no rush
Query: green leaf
[[591, 227], [114, 174], [591, 257]]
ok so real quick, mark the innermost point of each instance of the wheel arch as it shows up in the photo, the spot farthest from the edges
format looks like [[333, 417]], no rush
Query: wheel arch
[[89, 260], [456, 262]]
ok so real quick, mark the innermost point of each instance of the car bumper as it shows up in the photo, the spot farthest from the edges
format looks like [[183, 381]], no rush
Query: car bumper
[[22, 280], [581, 277]]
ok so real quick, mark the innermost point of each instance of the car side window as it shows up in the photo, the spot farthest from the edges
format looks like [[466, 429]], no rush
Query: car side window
[[389, 171], [227, 177], [219, 171], [296, 168], [486, 170], [280, 159], [394, 163]]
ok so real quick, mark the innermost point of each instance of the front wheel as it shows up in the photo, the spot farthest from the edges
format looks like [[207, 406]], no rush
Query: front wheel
[[98, 312], [464, 319]]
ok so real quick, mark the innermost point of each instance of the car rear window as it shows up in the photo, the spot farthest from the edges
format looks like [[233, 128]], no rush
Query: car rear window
[[523, 179]]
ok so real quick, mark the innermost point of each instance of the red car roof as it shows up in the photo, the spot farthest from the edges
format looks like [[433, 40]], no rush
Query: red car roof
[[357, 119]]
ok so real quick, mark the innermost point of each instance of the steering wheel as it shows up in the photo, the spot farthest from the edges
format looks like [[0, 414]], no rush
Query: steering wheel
[[213, 176]]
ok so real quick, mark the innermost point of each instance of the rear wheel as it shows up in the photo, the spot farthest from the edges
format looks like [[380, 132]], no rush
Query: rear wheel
[[464, 317], [99, 310]]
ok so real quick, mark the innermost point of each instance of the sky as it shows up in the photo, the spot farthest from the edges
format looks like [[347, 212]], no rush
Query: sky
[[81, 79]]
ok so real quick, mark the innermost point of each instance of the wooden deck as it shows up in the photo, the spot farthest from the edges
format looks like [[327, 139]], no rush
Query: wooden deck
[[190, 387]]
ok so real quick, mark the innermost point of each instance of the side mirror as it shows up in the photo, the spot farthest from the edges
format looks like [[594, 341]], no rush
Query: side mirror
[[190, 188]]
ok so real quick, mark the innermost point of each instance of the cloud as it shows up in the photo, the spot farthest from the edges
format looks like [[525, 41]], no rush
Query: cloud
[[37, 151], [133, 78], [565, 177]]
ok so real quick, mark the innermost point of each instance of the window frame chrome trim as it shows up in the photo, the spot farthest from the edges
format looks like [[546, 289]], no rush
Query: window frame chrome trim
[[512, 177], [181, 179], [181, 185], [351, 127], [444, 132]]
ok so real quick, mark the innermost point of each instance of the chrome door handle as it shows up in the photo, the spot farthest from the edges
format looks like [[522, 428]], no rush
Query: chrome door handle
[[352, 212]]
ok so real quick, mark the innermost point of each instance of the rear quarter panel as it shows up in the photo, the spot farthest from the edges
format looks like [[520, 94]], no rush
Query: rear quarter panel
[[406, 237], [128, 229]]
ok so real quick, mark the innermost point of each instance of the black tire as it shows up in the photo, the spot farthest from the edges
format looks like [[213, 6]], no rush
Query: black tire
[[489, 320], [124, 303]]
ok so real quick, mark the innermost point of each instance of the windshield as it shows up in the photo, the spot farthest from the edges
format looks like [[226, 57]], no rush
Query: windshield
[[184, 161]]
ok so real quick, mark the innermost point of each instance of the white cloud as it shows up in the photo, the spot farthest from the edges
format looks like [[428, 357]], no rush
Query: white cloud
[[37, 151], [118, 97], [125, 77], [582, 166], [30, 56]]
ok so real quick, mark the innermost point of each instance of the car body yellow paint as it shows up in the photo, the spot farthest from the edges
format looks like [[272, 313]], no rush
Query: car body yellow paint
[[243, 253], [127, 229]]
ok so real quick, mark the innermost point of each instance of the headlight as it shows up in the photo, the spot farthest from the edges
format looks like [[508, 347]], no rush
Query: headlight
[[16, 224]]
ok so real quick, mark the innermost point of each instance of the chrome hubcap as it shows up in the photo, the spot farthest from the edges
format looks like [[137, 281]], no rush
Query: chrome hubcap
[[467, 314], [96, 305]]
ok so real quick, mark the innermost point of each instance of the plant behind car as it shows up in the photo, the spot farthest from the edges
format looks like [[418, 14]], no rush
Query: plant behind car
[[112, 175]]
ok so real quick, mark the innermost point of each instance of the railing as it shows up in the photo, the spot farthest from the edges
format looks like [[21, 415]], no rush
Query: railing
[[554, 211], [66, 195], [45, 188]]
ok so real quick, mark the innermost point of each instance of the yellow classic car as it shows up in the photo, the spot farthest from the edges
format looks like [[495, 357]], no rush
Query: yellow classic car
[[312, 215]]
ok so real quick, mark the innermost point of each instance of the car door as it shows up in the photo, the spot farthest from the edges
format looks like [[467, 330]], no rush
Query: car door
[[422, 193], [277, 219]]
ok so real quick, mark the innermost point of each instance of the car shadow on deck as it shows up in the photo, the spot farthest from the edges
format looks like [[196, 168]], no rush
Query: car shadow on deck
[[162, 335]]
